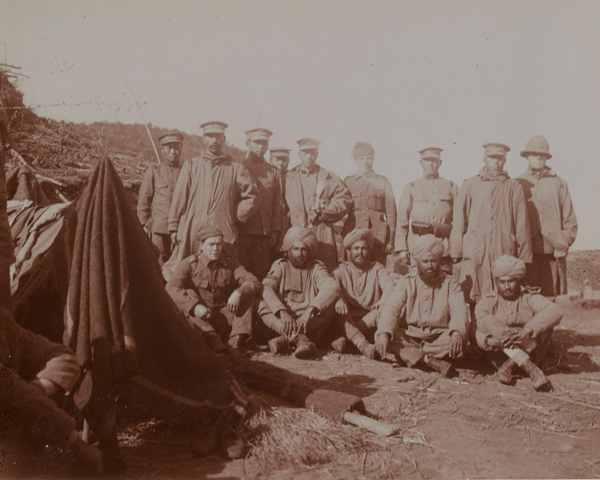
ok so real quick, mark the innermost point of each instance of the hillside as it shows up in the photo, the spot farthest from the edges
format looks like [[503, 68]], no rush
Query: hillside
[[67, 152]]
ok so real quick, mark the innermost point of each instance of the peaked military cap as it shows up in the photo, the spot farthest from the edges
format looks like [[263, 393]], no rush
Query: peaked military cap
[[259, 134], [431, 152], [537, 144], [208, 231], [213, 127], [308, 143], [170, 137], [280, 151], [362, 149], [496, 149]]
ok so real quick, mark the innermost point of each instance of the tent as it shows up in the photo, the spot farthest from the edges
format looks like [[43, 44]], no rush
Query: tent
[[87, 274]]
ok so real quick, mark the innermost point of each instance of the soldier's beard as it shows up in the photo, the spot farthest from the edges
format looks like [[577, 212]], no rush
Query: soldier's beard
[[298, 262], [431, 279]]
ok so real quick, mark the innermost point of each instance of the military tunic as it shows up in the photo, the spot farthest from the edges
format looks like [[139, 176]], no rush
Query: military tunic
[[365, 293], [154, 202], [489, 220], [318, 188], [374, 208], [214, 190], [553, 227], [426, 201], [198, 280], [431, 315], [254, 249], [495, 314], [296, 289]]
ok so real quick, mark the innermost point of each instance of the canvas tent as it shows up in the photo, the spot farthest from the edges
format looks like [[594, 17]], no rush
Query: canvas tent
[[86, 274]]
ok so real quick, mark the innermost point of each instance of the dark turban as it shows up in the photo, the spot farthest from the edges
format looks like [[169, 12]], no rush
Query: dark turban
[[359, 234], [508, 266], [300, 234], [427, 244], [208, 231]]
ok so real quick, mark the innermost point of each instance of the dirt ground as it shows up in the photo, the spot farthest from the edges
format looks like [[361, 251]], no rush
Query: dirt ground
[[467, 427]]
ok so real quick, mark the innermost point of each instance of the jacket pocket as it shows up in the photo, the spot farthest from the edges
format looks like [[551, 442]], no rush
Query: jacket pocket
[[376, 201]]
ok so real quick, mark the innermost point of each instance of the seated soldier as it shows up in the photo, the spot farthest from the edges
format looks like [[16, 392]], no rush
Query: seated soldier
[[298, 296], [436, 313], [515, 322], [366, 285], [215, 292], [33, 368]]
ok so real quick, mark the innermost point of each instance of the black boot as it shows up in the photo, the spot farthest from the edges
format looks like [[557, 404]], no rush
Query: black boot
[[505, 372]]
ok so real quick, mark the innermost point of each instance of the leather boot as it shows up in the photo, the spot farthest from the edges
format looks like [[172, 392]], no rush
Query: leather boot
[[364, 347], [340, 345], [278, 345], [305, 349], [445, 368], [505, 372], [214, 343], [539, 380]]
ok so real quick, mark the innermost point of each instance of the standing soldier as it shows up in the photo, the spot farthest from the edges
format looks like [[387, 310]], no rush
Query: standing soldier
[[551, 219], [280, 159], [156, 194], [212, 189], [490, 219], [374, 203], [261, 232], [317, 198], [426, 208]]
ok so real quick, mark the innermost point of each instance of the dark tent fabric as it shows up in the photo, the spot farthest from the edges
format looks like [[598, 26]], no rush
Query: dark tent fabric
[[126, 331], [119, 319]]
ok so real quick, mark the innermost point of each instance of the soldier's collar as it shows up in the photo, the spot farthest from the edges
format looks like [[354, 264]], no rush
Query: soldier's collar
[[432, 177], [207, 261], [546, 172], [370, 173], [485, 175]]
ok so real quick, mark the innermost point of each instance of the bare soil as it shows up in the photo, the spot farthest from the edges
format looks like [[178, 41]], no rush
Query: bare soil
[[467, 427]]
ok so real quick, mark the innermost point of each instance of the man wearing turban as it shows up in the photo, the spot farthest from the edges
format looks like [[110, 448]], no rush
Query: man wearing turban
[[432, 332], [215, 292], [317, 199], [298, 296], [366, 285], [374, 203], [515, 322]]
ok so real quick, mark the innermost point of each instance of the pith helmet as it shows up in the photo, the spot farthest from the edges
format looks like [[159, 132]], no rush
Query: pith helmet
[[537, 144]]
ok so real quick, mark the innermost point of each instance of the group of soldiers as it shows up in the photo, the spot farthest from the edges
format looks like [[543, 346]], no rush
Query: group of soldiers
[[249, 251]]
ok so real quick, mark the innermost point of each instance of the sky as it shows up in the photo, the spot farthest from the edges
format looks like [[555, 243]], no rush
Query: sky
[[401, 74]]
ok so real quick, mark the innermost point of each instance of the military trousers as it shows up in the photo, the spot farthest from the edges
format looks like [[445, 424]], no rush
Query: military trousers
[[549, 273], [227, 324], [411, 349], [536, 348]]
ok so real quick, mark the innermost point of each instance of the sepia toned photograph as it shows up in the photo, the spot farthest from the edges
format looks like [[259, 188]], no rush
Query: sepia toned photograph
[[299, 240]]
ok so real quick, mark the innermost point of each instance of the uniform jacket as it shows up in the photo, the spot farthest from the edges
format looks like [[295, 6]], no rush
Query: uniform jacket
[[295, 289], [374, 206], [320, 187], [490, 219], [429, 311], [426, 200], [197, 280], [552, 218], [215, 190], [532, 310], [269, 217], [363, 291], [33, 356], [155, 196]]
